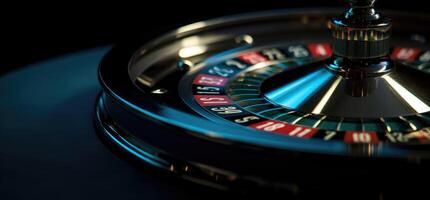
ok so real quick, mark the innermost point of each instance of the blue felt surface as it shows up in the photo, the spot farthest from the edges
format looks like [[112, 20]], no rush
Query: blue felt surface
[[48, 146]]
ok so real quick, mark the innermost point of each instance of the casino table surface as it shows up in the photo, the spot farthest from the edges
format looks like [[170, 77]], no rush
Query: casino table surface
[[49, 148]]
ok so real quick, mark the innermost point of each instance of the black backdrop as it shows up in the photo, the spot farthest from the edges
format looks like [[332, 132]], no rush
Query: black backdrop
[[33, 32]]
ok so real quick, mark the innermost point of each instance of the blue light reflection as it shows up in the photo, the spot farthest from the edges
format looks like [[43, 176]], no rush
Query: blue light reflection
[[295, 93]]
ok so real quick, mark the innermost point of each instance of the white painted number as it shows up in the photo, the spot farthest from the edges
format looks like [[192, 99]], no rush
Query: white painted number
[[361, 137], [396, 137], [300, 132], [329, 135], [221, 71], [211, 81], [273, 54], [270, 126], [226, 110], [405, 53], [207, 90], [246, 119], [214, 100], [425, 57], [234, 63], [298, 51]]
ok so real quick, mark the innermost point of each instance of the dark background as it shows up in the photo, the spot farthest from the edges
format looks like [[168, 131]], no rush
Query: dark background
[[33, 32]]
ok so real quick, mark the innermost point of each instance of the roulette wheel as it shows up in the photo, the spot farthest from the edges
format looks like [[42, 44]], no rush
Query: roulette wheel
[[278, 101], [288, 103]]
